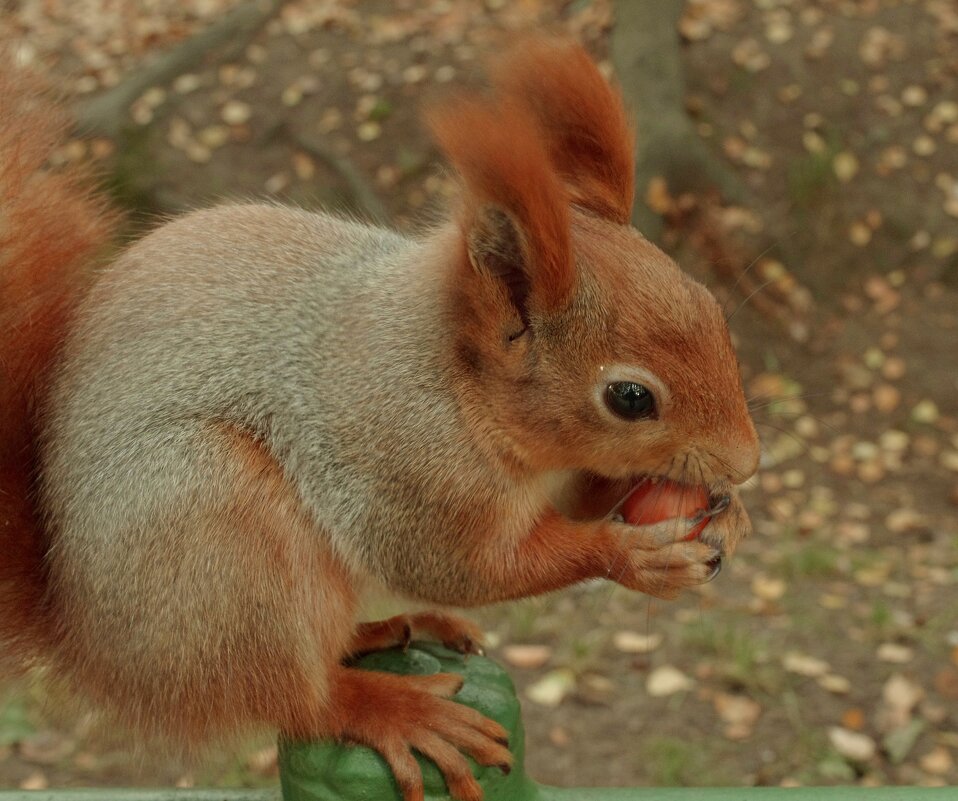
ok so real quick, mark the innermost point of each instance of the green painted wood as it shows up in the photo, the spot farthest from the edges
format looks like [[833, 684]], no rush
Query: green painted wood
[[97, 794]]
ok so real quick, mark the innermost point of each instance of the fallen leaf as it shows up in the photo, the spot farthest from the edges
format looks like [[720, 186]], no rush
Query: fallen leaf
[[937, 761], [528, 657], [552, 688], [632, 642], [559, 736], [895, 653], [853, 718], [768, 589], [834, 683], [914, 96], [845, 166], [235, 112], [859, 234], [899, 742], [657, 196], [35, 781], [264, 761], [946, 683], [852, 745], [900, 696], [899, 521], [368, 131], [749, 55], [804, 665], [667, 680], [739, 712], [886, 397], [925, 411]]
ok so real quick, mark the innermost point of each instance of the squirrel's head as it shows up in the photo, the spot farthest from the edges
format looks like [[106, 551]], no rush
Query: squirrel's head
[[581, 345]]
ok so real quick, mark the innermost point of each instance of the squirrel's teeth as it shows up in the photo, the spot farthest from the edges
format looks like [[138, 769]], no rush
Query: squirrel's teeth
[[618, 518]]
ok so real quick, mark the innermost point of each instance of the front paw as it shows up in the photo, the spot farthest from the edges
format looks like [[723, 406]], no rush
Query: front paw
[[454, 632], [397, 715], [657, 560]]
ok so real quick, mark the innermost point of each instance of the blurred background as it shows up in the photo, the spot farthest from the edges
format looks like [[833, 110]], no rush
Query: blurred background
[[798, 156]]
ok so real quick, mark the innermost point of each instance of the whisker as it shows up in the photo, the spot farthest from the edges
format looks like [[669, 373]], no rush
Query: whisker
[[770, 399], [795, 415], [750, 295], [787, 433], [758, 258]]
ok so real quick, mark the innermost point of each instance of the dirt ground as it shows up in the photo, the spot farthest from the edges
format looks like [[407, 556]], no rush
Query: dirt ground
[[827, 651]]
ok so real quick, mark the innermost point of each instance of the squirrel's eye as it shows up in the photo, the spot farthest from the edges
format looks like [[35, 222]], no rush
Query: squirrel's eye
[[630, 400]]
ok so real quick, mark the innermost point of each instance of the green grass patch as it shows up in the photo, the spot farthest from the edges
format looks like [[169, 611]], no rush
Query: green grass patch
[[674, 762], [810, 560], [15, 723], [880, 617], [740, 654], [811, 176]]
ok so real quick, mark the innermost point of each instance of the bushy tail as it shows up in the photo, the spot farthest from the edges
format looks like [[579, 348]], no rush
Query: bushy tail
[[50, 225]]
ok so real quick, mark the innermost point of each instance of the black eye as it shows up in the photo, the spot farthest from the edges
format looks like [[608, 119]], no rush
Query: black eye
[[630, 400]]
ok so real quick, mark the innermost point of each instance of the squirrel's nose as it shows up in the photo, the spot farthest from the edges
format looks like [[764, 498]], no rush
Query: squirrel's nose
[[741, 460]]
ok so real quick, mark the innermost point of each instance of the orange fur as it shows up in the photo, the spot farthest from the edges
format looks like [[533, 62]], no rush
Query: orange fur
[[49, 227], [582, 119], [497, 149]]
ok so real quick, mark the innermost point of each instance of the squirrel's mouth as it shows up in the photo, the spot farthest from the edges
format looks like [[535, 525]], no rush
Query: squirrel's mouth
[[591, 495]]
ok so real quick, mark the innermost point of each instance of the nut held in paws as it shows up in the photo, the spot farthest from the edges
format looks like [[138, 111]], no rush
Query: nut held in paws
[[653, 501]]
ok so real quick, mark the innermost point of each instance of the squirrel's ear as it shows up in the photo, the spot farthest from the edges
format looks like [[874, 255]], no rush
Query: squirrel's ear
[[588, 133], [495, 246], [515, 215]]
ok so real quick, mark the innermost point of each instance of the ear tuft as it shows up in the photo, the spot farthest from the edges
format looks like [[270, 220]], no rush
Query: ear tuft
[[589, 137], [498, 150]]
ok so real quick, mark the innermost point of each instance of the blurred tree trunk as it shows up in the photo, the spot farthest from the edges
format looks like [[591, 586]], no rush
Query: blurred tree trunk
[[646, 52], [647, 55]]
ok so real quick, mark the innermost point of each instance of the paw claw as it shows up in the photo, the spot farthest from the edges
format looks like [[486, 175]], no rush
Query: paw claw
[[715, 567], [465, 645]]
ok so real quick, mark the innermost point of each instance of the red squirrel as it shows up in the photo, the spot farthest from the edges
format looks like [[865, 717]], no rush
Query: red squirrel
[[255, 411]]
